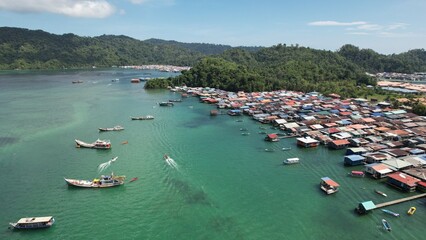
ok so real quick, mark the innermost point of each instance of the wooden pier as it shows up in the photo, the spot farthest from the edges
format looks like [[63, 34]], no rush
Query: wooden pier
[[380, 205]]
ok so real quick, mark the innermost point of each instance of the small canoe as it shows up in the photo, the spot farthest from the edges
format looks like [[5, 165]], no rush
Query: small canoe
[[386, 225], [381, 193], [133, 179], [411, 211]]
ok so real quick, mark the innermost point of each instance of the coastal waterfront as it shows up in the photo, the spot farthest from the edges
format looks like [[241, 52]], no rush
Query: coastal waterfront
[[226, 187]]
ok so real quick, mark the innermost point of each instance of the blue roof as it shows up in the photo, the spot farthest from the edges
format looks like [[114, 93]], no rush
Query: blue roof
[[377, 114], [354, 158]]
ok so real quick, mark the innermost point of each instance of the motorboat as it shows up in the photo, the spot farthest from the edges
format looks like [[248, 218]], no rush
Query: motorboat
[[390, 212], [386, 225], [103, 181], [33, 223], [115, 128], [98, 144], [381, 193], [166, 104], [357, 173], [328, 185], [147, 117], [291, 161]]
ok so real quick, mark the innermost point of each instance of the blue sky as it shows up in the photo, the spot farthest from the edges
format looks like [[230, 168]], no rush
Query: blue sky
[[386, 26]]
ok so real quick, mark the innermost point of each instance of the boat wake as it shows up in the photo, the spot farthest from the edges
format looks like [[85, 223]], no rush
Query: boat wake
[[171, 162], [105, 165]]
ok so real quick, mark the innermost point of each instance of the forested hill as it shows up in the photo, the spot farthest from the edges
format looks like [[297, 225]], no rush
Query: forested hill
[[277, 67], [371, 61], [205, 48], [36, 49]]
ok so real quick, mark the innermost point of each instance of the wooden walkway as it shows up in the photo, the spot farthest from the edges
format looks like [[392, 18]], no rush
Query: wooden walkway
[[380, 205]]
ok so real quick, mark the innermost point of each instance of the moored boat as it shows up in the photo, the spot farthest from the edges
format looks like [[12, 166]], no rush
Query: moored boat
[[357, 173], [328, 185], [98, 144], [381, 193], [411, 211], [115, 128], [147, 117], [291, 161], [390, 212], [103, 182], [33, 223], [386, 225], [133, 179], [166, 104]]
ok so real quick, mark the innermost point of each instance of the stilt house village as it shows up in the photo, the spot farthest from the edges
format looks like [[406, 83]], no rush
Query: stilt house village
[[389, 143]]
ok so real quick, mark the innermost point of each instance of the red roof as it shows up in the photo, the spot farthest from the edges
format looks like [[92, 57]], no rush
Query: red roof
[[340, 142], [404, 178], [423, 184]]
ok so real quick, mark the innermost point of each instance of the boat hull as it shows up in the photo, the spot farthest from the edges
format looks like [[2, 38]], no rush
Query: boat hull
[[27, 223], [91, 184]]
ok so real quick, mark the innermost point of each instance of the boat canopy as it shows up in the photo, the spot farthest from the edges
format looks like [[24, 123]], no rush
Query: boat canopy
[[35, 220], [330, 182]]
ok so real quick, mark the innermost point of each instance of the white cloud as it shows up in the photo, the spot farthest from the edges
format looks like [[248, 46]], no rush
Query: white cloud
[[73, 8], [369, 27], [153, 2], [334, 23], [397, 26], [358, 33]]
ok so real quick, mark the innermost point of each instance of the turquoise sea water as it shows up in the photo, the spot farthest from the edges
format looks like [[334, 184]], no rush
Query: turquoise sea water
[[226, 185]]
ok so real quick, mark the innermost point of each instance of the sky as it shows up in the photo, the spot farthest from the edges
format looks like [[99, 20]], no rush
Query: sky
[[385, 26]]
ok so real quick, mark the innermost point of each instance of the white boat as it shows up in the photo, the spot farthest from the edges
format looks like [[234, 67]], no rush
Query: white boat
[[102, 182], [328, 185], [115, 128], [386, 225], [291, 161], [98, 144], [33, 223], [390, 212]]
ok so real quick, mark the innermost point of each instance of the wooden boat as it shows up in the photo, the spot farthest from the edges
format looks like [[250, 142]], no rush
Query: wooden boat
[[77, 81], [386, 225], [291, 161], [411, 211], [381, 193], [98, 144], [166, 104], [328, 185], [103, 182], [115, 128], [390, 212], [33, 223], [147, 117], [357, 173], [175, 100], [133, 179]]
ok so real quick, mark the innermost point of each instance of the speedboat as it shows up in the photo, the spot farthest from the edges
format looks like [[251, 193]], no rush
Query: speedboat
[[98, 144], [386, 225], [147, 117], [390, 212], [381, 193], [33, 223], [103, 182]]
